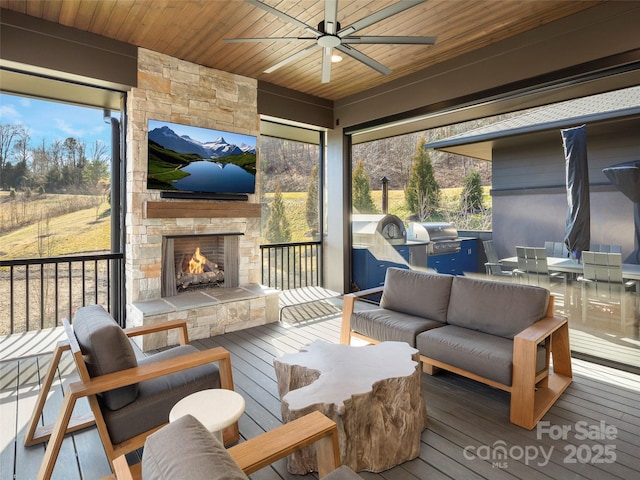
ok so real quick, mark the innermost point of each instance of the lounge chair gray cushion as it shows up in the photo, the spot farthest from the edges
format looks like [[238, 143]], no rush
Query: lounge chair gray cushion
[[156, 397], [185, 450], [498, 308], [342, 473], [489, 356], [106, 349], [417, 293], [388, 325]]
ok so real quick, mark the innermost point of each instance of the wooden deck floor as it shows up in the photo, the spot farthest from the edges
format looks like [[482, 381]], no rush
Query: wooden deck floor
[[468, 436]]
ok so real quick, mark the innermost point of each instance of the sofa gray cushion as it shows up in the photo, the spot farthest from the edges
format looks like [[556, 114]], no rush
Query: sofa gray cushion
[[486, 355], [157, 396], [417, 293], [185, 450], [106, 349], [388, 325], [498, 308]]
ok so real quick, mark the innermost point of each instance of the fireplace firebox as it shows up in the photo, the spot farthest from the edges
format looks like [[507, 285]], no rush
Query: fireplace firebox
[[191, 262]]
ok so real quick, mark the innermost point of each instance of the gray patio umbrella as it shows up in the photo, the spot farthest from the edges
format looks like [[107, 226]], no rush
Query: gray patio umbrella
[[626, 178], [577, 234]]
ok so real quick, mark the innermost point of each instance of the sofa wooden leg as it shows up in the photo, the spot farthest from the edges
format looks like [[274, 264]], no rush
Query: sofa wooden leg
[[429, 369]]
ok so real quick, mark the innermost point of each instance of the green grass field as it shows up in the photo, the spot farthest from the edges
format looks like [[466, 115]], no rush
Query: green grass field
[[53, 234]]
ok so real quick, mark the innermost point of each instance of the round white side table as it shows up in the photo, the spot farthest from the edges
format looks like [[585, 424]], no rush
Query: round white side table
[[216, 409]]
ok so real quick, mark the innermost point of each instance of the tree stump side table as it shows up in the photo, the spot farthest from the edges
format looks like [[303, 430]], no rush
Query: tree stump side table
[[373, 393]]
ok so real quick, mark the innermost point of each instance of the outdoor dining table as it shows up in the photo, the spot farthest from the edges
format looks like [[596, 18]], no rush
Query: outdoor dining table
[[630, 271]]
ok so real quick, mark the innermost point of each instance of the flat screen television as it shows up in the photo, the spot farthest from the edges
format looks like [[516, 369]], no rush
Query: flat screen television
[[186, 161]]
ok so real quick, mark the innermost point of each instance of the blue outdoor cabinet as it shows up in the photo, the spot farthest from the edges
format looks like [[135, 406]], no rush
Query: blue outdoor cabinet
[[466, 260], [369, 272]]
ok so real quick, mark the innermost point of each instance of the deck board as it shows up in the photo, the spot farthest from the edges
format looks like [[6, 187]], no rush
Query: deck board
[[462, 413]]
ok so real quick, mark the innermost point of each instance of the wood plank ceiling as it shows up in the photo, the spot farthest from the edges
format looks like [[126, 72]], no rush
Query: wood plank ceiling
[[194, 31]]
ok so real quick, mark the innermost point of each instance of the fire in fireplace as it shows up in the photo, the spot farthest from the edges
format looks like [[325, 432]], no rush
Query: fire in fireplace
[[192, 262], [198, 270]]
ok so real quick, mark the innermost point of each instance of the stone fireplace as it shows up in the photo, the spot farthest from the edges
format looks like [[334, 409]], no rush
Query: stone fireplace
[[226, 295]]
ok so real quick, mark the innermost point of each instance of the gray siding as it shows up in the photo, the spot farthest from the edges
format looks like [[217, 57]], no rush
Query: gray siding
[[529, 198]]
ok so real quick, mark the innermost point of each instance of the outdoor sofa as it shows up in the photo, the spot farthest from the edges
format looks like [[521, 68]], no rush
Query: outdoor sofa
[[500, 333]]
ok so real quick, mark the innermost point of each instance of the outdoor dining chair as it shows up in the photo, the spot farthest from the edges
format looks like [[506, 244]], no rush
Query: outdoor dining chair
[[602, 283], [532, 264]]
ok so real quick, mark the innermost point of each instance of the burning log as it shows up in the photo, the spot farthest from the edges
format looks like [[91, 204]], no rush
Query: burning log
[[197, 270], [186, 279]]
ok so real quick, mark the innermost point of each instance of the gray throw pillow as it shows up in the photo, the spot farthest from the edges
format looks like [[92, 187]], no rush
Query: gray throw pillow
[[106, 349], [186, 450]]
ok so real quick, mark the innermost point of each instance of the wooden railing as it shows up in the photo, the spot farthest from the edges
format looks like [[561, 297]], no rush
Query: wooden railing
[[292, 265], [37, 293]]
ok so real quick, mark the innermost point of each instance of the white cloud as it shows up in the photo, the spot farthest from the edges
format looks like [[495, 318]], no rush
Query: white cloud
[[8, 113], [68, 129]]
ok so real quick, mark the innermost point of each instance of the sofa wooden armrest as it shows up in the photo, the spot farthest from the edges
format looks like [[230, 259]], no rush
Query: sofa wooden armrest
[[261, 451], [532, 396], [348, 304]]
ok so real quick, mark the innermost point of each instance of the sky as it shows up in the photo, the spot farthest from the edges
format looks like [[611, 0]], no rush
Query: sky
[[54, 121], [57, 121]]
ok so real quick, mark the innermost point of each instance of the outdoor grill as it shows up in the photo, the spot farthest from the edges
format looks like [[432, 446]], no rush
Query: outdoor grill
[[442, 237], [374, 229]]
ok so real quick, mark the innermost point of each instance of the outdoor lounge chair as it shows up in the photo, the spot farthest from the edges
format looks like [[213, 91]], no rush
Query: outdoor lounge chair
[[129, 398], [185, 449], [493, 265]]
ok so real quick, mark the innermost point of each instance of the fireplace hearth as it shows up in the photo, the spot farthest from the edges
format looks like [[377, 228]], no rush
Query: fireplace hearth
[[194, 262]]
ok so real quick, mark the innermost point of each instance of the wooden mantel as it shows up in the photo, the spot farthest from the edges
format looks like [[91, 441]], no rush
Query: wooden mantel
[[201, 209]]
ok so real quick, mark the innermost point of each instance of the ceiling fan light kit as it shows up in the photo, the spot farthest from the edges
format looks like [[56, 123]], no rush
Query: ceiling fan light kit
[[329, 36]]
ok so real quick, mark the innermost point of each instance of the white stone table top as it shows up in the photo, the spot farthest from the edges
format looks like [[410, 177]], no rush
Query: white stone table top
[[347, 370]]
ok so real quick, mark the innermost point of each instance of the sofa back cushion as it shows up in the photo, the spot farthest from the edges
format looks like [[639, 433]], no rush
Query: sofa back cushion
[[417, 293], [185, 449], [106, 349], [497, 308]]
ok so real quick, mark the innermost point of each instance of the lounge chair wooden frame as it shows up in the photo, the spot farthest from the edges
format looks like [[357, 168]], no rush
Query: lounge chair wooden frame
[[532, 393], [89, 387], [261, 451]]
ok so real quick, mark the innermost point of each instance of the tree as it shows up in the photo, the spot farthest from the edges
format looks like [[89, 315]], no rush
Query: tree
[[361, 194], [278, 229], [423, 192], [9, 135], [471, 195], [312, 210]]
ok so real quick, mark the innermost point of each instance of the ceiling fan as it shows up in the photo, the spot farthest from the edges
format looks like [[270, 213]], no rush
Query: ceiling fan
[[330, 35]]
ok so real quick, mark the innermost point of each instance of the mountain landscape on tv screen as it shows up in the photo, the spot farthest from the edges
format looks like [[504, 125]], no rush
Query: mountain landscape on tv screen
[[179, 162]]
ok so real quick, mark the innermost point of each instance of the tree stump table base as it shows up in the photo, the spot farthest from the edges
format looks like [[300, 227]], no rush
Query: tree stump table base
[[373, 393]]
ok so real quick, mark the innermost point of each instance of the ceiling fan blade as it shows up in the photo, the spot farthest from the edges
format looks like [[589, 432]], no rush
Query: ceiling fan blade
[[265, 39], [284, 16], [390, 40], [387, 12], [368, 61], [331, 16], [326, 64], [290, 59]]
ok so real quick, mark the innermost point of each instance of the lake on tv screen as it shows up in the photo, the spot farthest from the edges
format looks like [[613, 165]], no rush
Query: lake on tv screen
[[216, 177]]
